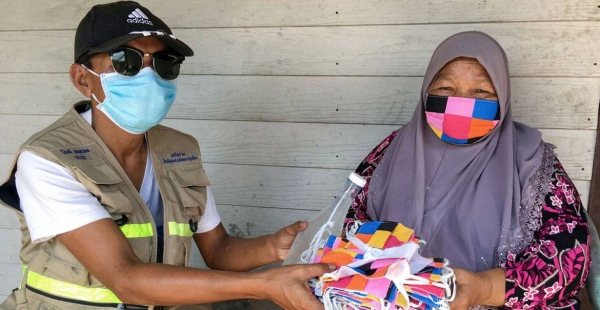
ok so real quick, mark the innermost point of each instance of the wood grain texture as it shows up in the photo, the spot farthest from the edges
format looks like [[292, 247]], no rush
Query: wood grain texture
[[534, 49], [10, 265], [66, 14], [290, 188], [287, 97], [272, 187], [583, 187], [11, 277], [336, 146], [277, 187], [567, 103], [5, 161], [594, 200], [11, 243]]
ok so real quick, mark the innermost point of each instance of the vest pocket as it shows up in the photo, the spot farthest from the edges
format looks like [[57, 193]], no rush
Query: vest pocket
[[190, 184], [103, 182], [56, 284], [43, 264], [44, 306], [107, 186], [40, 305], [182, 255]]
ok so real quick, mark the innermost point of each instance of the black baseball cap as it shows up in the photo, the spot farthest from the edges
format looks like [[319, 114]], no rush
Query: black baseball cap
[[107, 26]]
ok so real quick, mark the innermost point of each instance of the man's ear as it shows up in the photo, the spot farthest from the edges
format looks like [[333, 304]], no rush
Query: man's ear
[[80, 79]]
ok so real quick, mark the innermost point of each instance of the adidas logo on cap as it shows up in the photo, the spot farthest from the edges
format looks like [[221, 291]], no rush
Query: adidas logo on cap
[[138, 17]]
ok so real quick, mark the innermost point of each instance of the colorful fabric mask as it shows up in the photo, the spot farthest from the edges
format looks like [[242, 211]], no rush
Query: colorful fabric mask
[[379, 267], [136, 103], [460, 120]]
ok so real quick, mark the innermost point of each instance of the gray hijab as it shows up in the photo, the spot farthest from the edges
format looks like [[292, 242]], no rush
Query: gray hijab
[[463, 200]]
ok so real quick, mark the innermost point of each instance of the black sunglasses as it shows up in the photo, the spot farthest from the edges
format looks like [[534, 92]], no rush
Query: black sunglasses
[[129, 61]]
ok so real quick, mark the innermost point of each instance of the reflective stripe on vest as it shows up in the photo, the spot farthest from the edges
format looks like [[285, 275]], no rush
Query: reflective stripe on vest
[[68, 290], [137, 230], [180, 229]]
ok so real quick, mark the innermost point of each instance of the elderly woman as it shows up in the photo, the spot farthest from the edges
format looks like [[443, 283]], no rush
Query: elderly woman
[[482, 190]]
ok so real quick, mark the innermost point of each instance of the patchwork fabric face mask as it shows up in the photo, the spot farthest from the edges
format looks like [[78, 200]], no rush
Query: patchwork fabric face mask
[[379, 267], [460, 120]]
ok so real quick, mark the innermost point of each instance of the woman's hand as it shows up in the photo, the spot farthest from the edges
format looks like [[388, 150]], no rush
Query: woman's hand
[[481, 288]]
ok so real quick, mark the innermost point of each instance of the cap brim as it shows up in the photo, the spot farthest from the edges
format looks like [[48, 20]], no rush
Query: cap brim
[[175, 44]]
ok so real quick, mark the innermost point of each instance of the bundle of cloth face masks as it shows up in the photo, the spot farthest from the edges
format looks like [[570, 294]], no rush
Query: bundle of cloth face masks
[[379, 267]]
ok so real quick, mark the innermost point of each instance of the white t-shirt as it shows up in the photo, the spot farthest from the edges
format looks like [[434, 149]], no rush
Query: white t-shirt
[[54, 202]]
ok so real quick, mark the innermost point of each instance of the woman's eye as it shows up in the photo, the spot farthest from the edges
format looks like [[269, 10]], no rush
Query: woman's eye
[[445, 88], [482, 91]]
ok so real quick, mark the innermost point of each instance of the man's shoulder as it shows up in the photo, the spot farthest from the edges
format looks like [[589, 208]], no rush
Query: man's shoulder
[[67, 135], [165, 132], [64, 125]]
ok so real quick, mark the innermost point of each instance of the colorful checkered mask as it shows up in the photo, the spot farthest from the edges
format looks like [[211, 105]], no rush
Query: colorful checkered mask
[[460, 120]]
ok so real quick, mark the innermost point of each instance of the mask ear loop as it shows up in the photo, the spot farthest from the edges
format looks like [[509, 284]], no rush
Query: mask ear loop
[[450, 282], [330, 303], [447, 282], [308, 256], [90, 70], [352, 228], [416, 305], [96, 74], [338, 302], [447, 279]]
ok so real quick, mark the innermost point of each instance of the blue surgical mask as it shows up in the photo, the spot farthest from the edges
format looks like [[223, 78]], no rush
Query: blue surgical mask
[[136, 103]]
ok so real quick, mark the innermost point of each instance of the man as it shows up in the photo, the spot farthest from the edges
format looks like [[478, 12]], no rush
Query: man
[[109, 200]]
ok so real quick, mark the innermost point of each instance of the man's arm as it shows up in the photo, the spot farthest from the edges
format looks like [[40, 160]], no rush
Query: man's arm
[[102, 249], [223, 252]]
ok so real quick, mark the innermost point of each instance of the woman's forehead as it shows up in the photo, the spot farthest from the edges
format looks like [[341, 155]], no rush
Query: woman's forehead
[[460, 65], [462, 61]]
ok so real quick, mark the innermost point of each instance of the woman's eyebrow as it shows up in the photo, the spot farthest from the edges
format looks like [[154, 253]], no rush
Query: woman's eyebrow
[[441, 78]]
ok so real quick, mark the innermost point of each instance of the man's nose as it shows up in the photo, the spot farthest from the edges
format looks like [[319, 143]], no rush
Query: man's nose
[[147, 60]]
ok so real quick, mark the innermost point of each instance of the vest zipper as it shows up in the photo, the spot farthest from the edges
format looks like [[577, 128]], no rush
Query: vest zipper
[[112, 161], [75, 301], [166, 216]]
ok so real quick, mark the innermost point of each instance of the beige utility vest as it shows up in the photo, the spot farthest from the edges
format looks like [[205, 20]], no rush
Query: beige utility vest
[[52, 276]]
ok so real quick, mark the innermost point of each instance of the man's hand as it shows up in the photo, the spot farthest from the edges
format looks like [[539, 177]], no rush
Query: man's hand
[[482, 288], [287, 286], [282, 240], [223, 252]]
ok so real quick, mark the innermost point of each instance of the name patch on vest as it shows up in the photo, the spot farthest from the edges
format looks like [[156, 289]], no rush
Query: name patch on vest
[[179, 157], [77, 153]]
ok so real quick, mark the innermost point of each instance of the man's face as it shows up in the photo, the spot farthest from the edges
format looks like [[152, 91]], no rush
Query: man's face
[[103, 64]]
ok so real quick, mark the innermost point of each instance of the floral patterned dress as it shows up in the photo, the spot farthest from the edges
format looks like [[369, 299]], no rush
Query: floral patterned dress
[[546, 274]]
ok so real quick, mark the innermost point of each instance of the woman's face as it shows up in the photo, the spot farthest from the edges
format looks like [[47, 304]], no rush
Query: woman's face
[[463, 77]]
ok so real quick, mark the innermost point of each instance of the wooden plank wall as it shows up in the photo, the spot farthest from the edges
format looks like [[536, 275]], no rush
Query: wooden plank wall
[[287, 97]]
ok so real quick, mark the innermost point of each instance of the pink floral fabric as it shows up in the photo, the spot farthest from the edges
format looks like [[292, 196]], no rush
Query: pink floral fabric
[[358, 209], [549, 273]]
